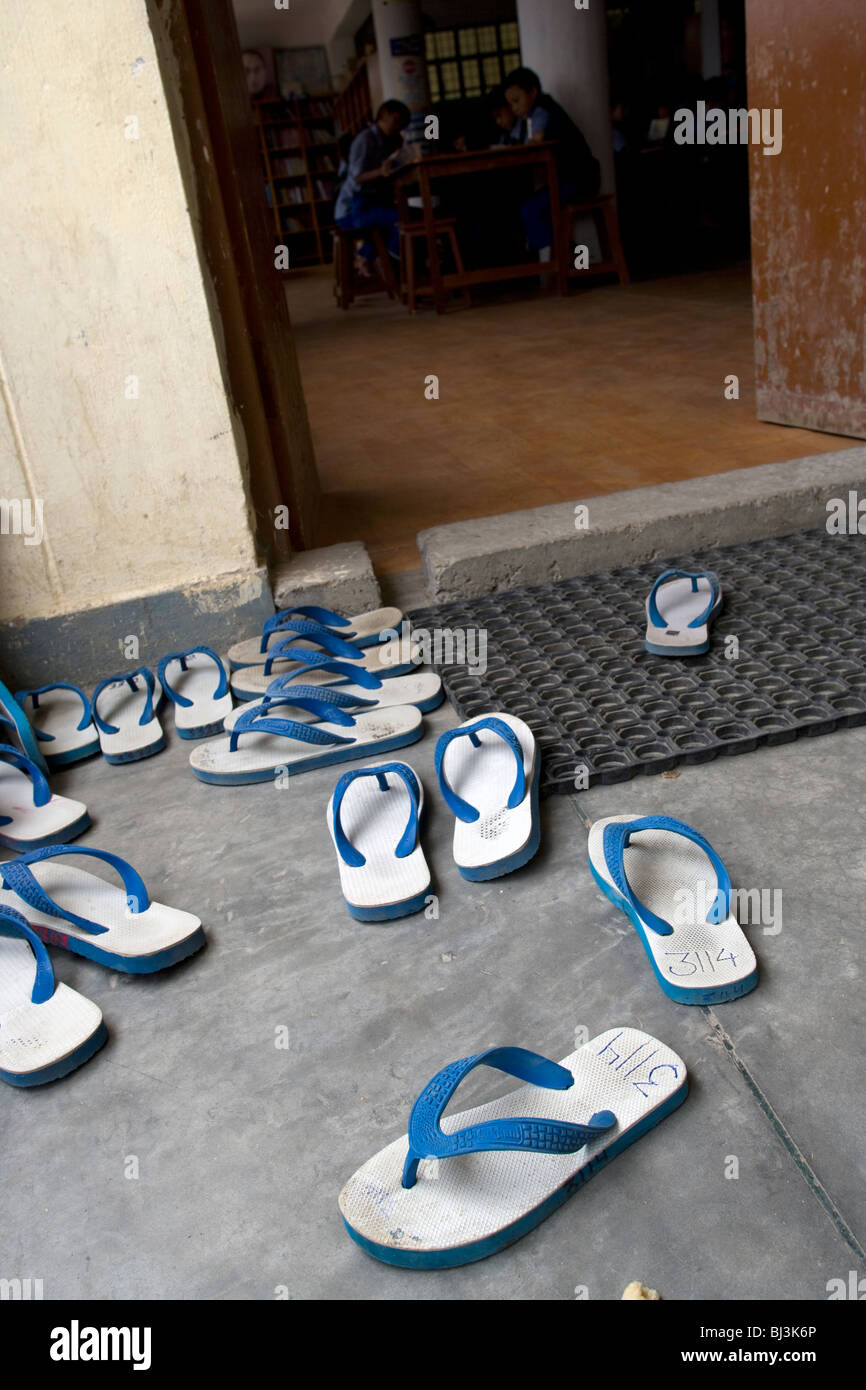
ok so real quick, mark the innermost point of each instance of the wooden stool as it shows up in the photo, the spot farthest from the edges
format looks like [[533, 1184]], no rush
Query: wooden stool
[[603, 211], [348, 285], [410, 232]]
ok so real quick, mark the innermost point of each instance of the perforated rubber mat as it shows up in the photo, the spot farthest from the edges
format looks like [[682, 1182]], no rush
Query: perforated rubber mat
[[569, 659]]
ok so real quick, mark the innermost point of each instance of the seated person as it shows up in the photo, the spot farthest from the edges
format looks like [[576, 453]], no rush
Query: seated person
[[511, 127], [578, 170], [365, 198]]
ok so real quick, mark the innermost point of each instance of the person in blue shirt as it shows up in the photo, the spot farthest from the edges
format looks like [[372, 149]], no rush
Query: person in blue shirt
[[578, 170], [365, 198]]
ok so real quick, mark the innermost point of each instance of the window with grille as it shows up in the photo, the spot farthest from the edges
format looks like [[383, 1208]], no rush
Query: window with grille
[[469, 60]]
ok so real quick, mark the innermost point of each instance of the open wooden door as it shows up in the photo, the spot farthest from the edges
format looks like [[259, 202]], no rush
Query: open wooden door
[[807, 61], [200, 60]]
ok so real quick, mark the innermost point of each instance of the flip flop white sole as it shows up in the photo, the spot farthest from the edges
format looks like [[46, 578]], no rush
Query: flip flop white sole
[[502, 838], [700, 962], [375, 807], [31, 826], [468, 1206], [136, 943], [123, 707], [59, 713], [387, 661], [679, 604], [424, 690], [363, 629], [207, 713], [40, 1042], [261, 756]]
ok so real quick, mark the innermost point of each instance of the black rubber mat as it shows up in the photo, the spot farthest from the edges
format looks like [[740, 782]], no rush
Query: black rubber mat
[[569, 659]]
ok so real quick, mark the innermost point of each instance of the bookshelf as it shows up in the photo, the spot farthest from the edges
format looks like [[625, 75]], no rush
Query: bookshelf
[[354, 106], [300, 156]]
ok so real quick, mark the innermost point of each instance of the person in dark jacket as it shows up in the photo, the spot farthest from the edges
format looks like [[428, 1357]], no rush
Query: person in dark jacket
[[577, 168], [366, 198]]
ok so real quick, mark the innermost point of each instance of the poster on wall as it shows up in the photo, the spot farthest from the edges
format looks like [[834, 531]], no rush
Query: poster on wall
[[302, 72], [410, 71], [260, 73]]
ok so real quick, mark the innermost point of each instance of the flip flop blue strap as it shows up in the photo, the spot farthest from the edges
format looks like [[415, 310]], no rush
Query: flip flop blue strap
[[408, 840], [321, 661], [655, 616], [41, 789], [328, 641], [323, 616], [176, 699], [314, 697], [149, 687], [462, 809], [13, 924], [426, 1139], [18, 877], [615, 842], [86, 718], [257, 721]]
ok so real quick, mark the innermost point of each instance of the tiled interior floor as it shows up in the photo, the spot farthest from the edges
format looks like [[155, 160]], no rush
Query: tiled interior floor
[[541, 400]]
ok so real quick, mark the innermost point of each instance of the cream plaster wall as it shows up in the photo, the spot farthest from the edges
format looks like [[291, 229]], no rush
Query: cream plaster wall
[[99, 284]]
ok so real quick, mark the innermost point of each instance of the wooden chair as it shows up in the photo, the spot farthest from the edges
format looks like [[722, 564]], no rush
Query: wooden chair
[[348, 285], [413, 231], [603, 212]]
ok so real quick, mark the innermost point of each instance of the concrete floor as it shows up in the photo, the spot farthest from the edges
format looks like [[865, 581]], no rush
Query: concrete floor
[[242, 1147]]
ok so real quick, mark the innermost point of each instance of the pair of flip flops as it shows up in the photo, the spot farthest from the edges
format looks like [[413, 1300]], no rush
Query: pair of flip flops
[[125, 706], [680, 608], [488, 771], [46, 1029], [304, 644], [362, 630]]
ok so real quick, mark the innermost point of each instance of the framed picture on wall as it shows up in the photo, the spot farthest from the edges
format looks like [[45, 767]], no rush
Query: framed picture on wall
[[302, 72], [260, 73]]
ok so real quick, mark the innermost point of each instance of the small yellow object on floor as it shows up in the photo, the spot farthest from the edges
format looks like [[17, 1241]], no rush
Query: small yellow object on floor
[[638, 1290]]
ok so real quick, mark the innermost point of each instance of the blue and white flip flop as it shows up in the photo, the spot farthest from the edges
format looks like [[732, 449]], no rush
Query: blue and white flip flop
[[489, 772], [460, 1188], [46, 1030], [357, 690], [674, 888], [386, 660], [188, 681], [124, 712], [30, 816], [15, 728], [383, 872], [260, 746], [62, 721], [680, 608], [364, 630], [120, 928]]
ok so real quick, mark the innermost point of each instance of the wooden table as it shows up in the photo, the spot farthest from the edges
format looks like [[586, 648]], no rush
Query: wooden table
[[440, 166]]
